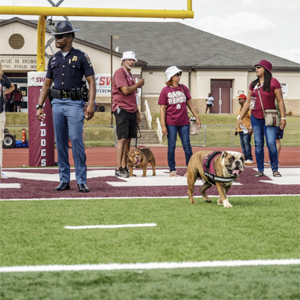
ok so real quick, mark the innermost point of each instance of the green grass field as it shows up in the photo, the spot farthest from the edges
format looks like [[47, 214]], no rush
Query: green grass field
[[33, 233]]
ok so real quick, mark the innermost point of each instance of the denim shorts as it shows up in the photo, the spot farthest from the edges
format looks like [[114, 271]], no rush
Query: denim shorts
[[279, 133]]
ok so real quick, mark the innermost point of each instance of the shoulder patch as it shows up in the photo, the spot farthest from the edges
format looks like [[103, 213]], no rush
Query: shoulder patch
[[88, 59]]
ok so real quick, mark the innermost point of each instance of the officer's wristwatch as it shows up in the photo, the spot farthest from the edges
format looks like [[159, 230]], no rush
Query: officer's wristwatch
[[39, 106]]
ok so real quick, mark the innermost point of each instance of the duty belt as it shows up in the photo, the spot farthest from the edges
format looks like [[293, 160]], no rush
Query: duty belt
[[60, 94]]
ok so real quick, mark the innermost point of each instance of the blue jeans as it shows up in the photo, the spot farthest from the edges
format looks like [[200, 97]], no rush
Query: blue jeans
[[184, 134], [245, 140], [68, 117], [260, 131]]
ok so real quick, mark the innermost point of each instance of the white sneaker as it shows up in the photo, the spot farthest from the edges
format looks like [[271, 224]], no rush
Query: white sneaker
[[249, 161], [3, 176]]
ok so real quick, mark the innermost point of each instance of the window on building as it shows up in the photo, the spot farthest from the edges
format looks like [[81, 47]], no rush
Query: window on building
[[16, 41]]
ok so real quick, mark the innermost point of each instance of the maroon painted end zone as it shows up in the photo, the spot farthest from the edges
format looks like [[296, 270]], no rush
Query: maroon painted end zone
[[100, 188]]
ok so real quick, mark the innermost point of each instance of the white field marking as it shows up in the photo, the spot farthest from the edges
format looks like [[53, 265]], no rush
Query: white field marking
[[150, 266], [164, 197], [55, 177], [161, 179], [10, 185], [290, 176], [110, 226]]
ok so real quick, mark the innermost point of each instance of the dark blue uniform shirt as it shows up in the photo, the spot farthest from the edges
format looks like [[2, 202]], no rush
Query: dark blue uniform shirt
[[67, 71], [7, 83]]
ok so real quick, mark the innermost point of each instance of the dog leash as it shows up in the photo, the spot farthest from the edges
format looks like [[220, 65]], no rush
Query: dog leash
[[137, 137]]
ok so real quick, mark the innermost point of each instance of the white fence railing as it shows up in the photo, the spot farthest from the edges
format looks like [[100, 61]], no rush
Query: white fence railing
[[159, 131], [148, 115]]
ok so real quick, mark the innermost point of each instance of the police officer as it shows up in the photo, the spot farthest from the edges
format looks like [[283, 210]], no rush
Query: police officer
[[66, 69]]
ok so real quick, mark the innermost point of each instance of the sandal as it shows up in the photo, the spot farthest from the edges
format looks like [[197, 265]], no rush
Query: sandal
[[259, 174], [276, 174], [173, 174]]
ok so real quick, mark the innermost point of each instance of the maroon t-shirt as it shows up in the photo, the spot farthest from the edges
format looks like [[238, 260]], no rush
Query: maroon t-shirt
[[17, 96], [175, 100], [267, 98], [126, 102]]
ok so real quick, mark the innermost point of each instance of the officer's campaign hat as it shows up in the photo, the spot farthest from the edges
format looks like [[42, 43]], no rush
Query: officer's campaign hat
[[63, 27]]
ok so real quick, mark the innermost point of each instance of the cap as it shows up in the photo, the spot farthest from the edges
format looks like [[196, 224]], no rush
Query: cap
[[171, 71], [129, 55], [266, 65], [63, 27], [242, 96]]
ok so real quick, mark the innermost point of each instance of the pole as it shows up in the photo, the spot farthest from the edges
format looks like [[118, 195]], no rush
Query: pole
[[111, 68]]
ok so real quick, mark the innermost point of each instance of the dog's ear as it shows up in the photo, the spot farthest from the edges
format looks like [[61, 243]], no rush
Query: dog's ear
[[128, 152], [243, 158], [224, 154]]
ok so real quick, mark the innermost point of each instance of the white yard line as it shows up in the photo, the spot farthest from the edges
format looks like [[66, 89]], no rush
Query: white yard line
[[10, 185], [110, 226], [150, 266], [164, 197]]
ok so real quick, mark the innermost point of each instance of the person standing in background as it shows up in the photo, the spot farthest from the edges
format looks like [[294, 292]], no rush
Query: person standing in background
[[18, 98], [125, 109], [4, 82], [279, 134], [246, 134], [209, 103], [267, 88], [174, 100]]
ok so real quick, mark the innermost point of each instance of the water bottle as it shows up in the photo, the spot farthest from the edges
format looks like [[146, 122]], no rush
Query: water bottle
[[245, 130]]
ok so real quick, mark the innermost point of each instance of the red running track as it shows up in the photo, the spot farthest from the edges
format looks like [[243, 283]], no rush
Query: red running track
[[106, 156]]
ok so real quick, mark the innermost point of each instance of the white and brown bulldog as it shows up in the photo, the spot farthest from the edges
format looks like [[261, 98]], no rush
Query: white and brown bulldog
[[220, 169]]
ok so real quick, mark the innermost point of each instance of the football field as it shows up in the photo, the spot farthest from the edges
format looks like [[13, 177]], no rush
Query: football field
[[140, 238]]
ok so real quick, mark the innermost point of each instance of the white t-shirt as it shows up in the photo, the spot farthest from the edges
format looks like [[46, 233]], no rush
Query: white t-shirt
[[210, 100]]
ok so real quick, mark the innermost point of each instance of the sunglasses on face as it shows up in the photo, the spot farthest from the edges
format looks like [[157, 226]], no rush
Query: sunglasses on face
[[258, 67], [61, 36], [178, 74]]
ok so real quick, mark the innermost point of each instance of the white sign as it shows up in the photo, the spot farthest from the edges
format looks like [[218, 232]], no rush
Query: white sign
[[284, 88], [25, 63], [36, 78], [102, 83]]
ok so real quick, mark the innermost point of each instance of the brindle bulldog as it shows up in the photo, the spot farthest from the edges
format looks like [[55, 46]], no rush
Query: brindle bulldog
[[224, 169], [140, 158]]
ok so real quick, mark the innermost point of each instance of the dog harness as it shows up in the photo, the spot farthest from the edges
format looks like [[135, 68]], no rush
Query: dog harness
[[210, 172]]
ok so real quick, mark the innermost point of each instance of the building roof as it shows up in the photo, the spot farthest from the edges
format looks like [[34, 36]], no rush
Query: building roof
[[162, 44]]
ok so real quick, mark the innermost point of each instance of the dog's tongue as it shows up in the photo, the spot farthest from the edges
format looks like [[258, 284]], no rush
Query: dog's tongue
[[137, 162], [236, 172]]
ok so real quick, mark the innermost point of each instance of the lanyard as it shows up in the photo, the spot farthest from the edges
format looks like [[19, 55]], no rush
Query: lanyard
[[131, 78]]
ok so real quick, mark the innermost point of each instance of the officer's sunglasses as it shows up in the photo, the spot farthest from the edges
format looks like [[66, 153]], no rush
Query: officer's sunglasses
[[61, 36]]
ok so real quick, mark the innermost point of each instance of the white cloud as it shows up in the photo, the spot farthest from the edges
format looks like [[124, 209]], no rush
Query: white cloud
[[291, 54], [242, 25]]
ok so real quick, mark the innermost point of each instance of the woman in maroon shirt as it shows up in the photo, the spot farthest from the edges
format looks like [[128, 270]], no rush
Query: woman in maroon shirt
[[269, 88], [174, 100]]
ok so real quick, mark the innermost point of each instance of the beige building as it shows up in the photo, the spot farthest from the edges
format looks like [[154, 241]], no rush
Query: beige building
[[209, 63]]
